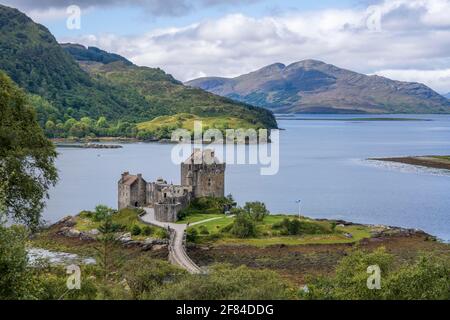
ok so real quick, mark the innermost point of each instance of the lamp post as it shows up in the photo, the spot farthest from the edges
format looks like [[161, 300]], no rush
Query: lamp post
[[299, 203]]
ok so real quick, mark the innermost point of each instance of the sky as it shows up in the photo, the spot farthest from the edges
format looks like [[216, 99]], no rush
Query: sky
[[406, 40]]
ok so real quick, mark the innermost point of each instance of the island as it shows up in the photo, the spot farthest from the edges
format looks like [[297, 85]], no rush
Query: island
[[437, 162]]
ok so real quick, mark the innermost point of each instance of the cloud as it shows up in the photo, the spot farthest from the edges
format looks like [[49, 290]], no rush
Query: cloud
[[48, 8], [437, 79], [394, 35]]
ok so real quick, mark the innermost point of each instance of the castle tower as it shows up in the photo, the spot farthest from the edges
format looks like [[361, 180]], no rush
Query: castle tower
[[204, 172]]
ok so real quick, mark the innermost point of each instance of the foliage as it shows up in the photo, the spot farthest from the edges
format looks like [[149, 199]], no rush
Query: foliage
[[14, 278], [136, 230], [427, 278], [107, 255], [102, 213], [145, 274], [244, 226], [257, 210], [224, 282], [293, 227], [207, 205], [191, 235], [26, 157]]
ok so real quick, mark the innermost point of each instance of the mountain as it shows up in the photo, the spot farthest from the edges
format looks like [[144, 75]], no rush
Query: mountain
[[69, 82], [447, 95], [312, 86], [166, 95]]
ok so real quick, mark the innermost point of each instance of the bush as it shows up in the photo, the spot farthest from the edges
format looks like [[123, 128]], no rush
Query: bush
[[102, 213], [203, 230], [293, 227], [191, 235], [147, 231], [136, 230], [427, 278], [243, 226], [224, 282], [257, 210]]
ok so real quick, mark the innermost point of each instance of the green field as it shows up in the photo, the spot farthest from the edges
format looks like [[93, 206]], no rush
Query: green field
[[270, 237]]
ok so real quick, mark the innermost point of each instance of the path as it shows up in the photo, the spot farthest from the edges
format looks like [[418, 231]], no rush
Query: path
[[177, 250]]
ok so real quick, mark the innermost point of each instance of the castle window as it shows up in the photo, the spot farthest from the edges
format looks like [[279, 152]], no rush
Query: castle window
[[209, 182], [165, 195]]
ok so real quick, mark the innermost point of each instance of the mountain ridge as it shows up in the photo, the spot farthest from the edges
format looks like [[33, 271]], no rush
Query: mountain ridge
[[312, 86]]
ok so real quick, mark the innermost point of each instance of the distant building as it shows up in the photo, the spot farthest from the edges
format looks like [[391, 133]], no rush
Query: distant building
[[202, 175]]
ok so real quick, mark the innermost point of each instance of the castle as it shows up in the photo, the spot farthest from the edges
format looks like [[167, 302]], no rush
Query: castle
[[202, 175]]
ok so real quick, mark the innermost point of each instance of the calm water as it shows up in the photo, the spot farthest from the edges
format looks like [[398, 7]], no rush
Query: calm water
[[321, 162]]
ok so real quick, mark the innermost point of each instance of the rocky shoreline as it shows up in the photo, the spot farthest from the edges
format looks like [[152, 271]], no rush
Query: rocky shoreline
[[423, 161], [66, 228]]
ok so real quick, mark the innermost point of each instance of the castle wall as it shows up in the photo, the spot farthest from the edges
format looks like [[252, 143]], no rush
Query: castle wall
[[167, 212], [206, 180]]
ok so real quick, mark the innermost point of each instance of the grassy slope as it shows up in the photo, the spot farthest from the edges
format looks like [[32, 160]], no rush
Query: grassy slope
[[167, 96], [186, 121]]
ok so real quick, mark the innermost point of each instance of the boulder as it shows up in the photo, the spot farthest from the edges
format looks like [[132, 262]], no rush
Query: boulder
[[158, 247], [93, 232], [125, 237], [68, 221], [72, 233]]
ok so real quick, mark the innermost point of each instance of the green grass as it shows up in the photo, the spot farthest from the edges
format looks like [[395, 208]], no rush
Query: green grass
[[447, 158], [269, 237], [186, 121], [197, 217], [125, 217]]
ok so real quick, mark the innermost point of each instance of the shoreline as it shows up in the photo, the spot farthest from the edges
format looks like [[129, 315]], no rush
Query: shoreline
[[436, 162]]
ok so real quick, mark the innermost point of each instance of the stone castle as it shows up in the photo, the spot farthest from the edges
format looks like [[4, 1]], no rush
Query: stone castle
[[202, 175]]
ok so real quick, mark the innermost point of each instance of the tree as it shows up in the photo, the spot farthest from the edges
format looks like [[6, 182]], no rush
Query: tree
[[26, 157], [257, 210], [14, 279], [243, 226]]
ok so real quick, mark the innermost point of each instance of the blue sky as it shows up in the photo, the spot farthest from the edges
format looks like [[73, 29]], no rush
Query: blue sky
[[405, 40]]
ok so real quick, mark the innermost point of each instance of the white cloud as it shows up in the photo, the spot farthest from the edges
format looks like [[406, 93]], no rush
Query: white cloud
[[413, 35], [437, 79]]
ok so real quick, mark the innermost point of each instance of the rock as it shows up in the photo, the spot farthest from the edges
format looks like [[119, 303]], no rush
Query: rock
[[126, 237], [340, 225], [72, 233], [348, 235], [86, 236], [68, 221], [93, 232], [158, 247], [131, 243]]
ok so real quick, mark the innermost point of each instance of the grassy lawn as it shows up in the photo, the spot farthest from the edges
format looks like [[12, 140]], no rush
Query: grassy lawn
[[127, 218], [197, 217], [270, 237]]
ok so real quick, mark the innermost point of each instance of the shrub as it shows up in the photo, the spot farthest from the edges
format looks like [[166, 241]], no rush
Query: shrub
[[147, 231], [203, 230], [257, 210], [102, 213], [243, 226], [224, 282], [191, 235], [136, 230]]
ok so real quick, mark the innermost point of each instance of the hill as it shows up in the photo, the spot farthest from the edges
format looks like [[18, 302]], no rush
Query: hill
[[71, 101], [312, 86]]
